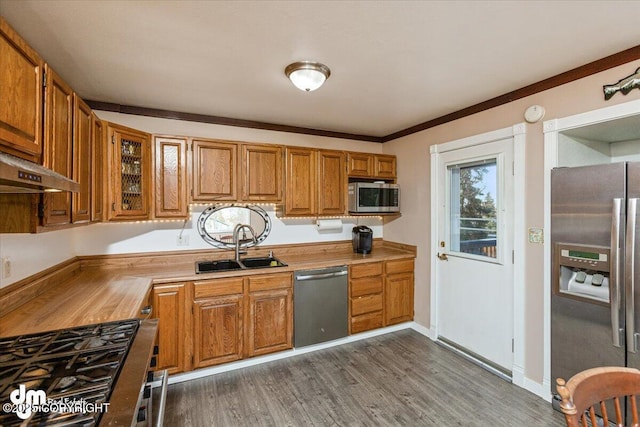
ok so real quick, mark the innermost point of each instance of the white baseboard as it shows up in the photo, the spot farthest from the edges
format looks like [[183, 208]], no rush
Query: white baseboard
[[518, 377], [205, 372], [427, 332], [540, 390]]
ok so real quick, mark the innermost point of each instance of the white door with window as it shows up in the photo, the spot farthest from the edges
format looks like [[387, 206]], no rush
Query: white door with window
[[474, 266]]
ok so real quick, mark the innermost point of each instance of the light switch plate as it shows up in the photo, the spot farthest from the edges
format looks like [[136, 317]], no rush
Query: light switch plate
[[6, 267], [536, 235], [183, 240]]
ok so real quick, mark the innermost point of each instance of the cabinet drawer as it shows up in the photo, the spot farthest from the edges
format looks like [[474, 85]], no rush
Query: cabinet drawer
[[365, 270], [272, 281], [217, 287], [400, 266], [366, 286], [366, 304], [366, 322]]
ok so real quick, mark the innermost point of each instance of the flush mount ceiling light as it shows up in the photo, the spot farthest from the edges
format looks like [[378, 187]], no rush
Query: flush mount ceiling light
[[307, 75]]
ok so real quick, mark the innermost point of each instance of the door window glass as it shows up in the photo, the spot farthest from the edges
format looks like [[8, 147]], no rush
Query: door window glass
[[473, 219]]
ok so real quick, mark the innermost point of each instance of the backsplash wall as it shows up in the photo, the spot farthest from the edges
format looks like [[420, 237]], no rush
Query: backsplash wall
[[109, 238], [31, 253]]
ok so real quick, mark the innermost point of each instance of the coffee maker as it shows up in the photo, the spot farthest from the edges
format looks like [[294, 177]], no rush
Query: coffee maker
[[362, 237]]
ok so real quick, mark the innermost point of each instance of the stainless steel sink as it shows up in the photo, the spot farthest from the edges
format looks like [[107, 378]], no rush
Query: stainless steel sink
[[262, 262], [231, 265], [220, 265]]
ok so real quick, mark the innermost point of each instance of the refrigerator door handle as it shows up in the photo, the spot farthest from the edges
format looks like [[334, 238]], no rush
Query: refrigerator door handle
[[614, 276], [629, 268]]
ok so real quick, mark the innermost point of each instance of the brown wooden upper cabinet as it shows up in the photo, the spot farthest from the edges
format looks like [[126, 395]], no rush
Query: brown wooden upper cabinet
[[360, 164], [315, 182], [261, 173], [215, 171], [129, 169], [332, 183], [170, 177], [98, 156], [58, 140], [384, 166], [374, 166], [301, 181], [82, 160], [21, 81]]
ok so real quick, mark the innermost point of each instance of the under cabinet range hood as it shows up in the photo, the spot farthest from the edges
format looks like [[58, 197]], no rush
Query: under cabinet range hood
[[21, 176]]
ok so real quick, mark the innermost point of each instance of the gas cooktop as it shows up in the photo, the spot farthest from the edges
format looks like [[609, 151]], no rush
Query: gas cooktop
[[73, 369]]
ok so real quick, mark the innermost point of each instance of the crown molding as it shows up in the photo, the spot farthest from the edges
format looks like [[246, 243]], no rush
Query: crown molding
[[225, 121], [586, 70]]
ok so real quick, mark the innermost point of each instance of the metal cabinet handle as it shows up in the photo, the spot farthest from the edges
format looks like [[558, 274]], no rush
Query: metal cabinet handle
[[443, 257], [614, 276], [146, 310], [321, 275], [629, 268]]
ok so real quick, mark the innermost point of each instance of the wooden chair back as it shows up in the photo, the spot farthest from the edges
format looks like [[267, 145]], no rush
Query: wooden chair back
[[600, 390]]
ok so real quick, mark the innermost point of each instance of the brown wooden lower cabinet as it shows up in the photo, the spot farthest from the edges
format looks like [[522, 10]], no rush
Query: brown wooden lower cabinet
[[217, 330], [226, 319], [365, 296], [169, 308], [271, 322], [380, 294], [398, 291], [214, 321]]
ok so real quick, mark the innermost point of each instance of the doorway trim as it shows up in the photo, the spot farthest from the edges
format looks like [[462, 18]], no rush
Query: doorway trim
[[551, 129], [518, 133]]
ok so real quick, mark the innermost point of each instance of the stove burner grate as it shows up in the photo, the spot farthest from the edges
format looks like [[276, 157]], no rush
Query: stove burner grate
[[80, 363]]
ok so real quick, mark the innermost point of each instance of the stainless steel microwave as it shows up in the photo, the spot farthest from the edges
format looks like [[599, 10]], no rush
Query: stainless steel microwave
[[372, 197]]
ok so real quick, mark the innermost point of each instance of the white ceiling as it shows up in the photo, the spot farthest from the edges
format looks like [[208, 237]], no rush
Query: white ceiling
[[394, 64]]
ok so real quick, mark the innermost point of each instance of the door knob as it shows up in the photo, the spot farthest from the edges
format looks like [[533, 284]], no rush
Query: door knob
[[443, 257]]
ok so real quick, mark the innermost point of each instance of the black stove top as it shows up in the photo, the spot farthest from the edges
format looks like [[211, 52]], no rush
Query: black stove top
[[77, 366]]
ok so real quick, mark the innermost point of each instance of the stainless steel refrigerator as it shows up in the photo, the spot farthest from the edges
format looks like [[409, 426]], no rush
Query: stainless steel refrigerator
[[595, 270]]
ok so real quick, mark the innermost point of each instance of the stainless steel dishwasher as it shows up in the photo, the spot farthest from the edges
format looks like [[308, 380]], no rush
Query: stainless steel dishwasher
[[320, 305]]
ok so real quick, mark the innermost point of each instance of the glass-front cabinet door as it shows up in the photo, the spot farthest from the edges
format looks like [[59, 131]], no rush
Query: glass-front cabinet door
[[130, 172]]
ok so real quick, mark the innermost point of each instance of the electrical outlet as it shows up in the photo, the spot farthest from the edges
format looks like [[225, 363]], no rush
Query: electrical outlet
[[183, 240], [6, 267]]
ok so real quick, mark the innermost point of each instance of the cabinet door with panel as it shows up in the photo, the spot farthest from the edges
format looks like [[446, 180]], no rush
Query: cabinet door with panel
[[21, 78], [98, 156], [217, 330], [331, 191], [360, 165], [301, 181], [129, 170], [169, 307], [170, 176], [58, 138], [399, 283], [82, 160], [214, 170], [261, 173], [270, 302], [384, 166], [218, 327]]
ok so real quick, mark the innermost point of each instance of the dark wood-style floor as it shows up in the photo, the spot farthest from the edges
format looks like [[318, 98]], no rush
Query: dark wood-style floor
[[401, 378]]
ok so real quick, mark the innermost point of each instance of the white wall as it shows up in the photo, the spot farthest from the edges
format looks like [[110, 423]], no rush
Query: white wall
[[110, 238], [32, 253]]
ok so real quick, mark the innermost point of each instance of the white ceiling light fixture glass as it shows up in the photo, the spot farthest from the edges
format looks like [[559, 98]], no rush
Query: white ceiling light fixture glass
[[307, 75]]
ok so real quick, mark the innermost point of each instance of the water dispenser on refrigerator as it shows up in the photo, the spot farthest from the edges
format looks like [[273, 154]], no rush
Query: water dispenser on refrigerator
[[582, 272]]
